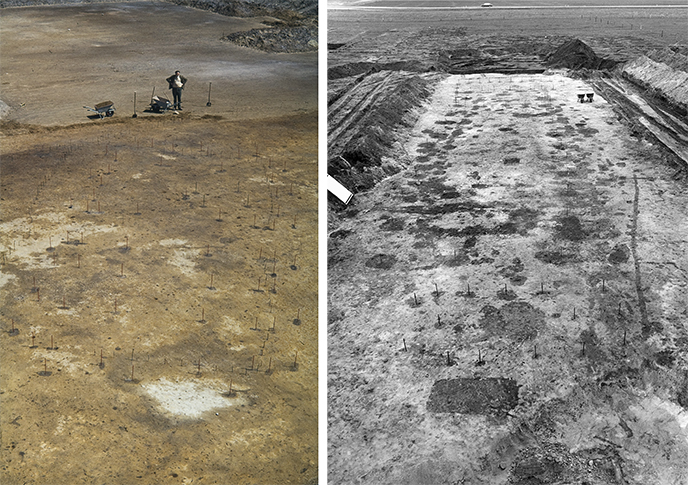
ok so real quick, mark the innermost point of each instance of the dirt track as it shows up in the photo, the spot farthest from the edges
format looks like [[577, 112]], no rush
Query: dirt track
[[160, 272]]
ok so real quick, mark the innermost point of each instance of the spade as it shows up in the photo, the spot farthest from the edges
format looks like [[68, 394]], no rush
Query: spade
[[210, 85]]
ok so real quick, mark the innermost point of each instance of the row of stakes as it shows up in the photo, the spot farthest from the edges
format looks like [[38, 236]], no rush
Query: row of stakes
[[294, 366], [269, 178], [138, 144], [185, 196], [504, 291], [35, 289], [126, 247], [256, 155], [297, 321], [481, 356]]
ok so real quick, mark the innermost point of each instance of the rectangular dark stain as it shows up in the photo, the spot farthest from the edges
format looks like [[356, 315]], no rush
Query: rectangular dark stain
[[485, 396]]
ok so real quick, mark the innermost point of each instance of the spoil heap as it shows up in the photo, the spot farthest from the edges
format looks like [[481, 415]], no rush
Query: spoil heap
[[663, 72], [283, 9], [576, 54], [363, 123], [291, 39]]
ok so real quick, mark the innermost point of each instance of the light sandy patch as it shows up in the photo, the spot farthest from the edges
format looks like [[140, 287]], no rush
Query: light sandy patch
[[46, 449], [183, 259], [173, 242], [232, 326], [229, 331], [60, 359], [6, 278], [67, 422], [61, 421], [662, 413], [670, 295], [27, 239], [68, 311], [190, 399], [52, 217]]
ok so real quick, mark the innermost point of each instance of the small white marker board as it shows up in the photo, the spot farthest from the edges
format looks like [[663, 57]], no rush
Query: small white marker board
[[341, 192]]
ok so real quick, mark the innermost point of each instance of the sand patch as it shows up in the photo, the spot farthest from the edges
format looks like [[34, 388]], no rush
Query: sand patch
[[190, 399], [172, 242]]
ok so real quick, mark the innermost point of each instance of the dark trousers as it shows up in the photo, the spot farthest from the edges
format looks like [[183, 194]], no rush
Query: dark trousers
[[177, 95]]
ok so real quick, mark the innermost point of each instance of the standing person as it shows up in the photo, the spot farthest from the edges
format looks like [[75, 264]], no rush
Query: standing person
[[176, 82]]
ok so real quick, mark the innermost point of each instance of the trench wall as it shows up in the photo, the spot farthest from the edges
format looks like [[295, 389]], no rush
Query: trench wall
[[665, 72]]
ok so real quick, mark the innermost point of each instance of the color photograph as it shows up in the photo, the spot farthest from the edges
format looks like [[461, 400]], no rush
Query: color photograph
[[159, 243]]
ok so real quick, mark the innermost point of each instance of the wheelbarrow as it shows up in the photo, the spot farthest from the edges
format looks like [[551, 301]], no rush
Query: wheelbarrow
[[160, 105], [106, 108]]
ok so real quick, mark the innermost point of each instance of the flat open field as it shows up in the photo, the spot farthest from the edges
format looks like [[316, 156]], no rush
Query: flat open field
[[159, 273], [651, 26], [509, 4]]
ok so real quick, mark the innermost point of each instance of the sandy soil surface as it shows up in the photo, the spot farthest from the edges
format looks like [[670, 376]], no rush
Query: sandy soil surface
[[511, 307], [57, 59], [159, 273]]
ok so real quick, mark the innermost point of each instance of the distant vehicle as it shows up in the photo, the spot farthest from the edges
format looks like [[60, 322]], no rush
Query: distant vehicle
[[486, 5]]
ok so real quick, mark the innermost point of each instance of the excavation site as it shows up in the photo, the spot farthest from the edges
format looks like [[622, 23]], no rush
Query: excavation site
[[158, 265], [508, 276]]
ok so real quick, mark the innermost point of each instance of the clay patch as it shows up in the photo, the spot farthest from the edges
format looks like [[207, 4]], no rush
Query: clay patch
[[518, 320], [570, 228], [392, 224], [555, 257], [620, 254], [381, 261], [473, 396]]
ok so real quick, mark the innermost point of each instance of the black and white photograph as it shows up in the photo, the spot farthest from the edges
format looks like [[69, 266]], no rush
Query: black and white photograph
[[506, 242]]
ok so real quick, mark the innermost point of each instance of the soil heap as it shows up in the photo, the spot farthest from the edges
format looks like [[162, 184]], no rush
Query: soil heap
[[576, 54], [284, 9], [663, 72], [359, 158], [292, 39]]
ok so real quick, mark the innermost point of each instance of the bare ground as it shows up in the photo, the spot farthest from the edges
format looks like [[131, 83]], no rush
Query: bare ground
[[159, 273], [58, 59], [531, 239]]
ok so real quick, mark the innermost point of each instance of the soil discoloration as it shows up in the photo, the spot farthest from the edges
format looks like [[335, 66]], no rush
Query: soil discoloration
[[488, 396], [518, 320], [145, 354], [533, 270], [569, 227], [381, 261]]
